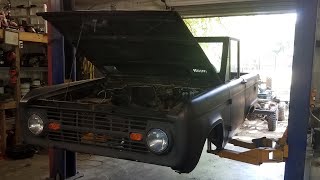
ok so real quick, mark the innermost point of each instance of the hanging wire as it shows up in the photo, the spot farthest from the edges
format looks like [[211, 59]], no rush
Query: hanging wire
[[315, 117], [73, 62]]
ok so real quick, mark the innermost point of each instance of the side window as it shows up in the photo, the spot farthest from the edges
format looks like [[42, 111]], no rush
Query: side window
[[213, 51], [234, 58]]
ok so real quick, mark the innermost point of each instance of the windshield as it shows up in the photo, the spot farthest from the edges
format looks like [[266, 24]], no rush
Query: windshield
[[213, 51]]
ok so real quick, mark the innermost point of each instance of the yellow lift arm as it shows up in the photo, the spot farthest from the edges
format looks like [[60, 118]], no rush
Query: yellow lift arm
[[260, 150]]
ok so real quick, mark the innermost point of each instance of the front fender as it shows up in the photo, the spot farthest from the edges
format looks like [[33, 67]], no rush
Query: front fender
[[197, 131]]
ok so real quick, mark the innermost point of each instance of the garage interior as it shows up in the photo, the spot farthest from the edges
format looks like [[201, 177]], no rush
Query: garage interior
[[278, 39]]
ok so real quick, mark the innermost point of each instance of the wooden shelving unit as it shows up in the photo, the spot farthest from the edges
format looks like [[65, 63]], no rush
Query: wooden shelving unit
[[15, 39], [34, 69], [33, 37], [27, 36], [4, 123]]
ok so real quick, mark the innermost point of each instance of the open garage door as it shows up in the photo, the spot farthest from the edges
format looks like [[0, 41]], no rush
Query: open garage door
[[238, 8], [196, 8]]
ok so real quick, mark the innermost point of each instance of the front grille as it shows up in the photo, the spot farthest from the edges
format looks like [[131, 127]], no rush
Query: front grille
[[97, 129]]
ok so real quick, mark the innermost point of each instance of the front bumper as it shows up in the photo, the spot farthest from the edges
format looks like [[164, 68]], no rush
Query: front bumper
[[105, 131]]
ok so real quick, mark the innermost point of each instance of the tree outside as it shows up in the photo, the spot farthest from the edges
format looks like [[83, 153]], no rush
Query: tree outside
[[267, 43]]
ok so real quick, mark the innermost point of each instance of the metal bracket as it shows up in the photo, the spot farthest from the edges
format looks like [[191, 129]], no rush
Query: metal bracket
[[77, 176], [259, 150]]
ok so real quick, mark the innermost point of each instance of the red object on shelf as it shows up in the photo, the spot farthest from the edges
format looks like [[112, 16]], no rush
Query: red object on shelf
[[11, 57], [13, 75]]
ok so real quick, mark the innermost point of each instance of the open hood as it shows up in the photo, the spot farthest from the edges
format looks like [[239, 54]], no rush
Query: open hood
[[133, 42]]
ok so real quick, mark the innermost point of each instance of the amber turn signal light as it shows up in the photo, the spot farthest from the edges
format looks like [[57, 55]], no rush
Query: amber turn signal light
[[54, 126], [136, 136]]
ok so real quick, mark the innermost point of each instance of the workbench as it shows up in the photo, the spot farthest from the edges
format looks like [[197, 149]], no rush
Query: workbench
[[3, 123]]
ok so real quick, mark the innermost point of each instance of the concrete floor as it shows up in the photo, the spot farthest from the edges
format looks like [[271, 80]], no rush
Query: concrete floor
[[210, 167]]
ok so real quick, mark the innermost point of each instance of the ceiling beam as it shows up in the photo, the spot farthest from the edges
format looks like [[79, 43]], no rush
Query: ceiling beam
[[197, 8], [238, 8]]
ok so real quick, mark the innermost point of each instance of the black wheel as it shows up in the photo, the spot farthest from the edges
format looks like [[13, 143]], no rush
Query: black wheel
[[272, 121], [281, 110], [251, 116], [216, 137]]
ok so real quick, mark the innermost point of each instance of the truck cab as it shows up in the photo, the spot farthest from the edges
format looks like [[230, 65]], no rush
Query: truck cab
[[224, 53], [164, 93]]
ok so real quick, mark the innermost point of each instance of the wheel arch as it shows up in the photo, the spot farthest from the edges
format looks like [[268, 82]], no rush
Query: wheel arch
[[217, 132]]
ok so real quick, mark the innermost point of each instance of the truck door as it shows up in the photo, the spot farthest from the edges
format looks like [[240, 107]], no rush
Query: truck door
[[237, 86], [214, 48]]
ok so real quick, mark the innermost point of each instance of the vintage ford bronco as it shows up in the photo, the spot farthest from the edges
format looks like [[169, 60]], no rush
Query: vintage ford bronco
[[164, 93]]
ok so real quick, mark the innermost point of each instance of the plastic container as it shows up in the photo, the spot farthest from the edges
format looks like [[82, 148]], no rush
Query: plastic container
[[36, 82], [24, 91], [25, 86]]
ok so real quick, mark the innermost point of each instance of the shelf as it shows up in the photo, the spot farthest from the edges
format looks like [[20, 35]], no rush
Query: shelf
[[25, 16], [33, 37], [1, 34], [27, 36], [16, 39], [4, 123], [10, 123], [4, 68], [36, 69], [8, 105]]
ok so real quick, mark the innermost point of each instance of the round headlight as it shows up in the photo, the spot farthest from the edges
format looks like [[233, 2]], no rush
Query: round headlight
[[35, 124], [157, 140]]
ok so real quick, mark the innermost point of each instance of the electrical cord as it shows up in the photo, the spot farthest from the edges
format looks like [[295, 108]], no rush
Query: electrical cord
[[314, 116], [105, 95], [73, 62]]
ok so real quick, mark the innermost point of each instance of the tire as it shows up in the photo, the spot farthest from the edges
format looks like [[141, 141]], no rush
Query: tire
[[272, 121], [216, 137], [251, 116], [281, 110]]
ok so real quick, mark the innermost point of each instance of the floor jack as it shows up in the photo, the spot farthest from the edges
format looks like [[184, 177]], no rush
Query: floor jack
[[259, 151]]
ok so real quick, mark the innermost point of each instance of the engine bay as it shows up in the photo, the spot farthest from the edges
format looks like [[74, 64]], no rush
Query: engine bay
[[156, 97]]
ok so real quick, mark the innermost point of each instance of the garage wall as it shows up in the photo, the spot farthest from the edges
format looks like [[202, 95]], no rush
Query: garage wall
[[193, 8], [24, 2], [31, 48]]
